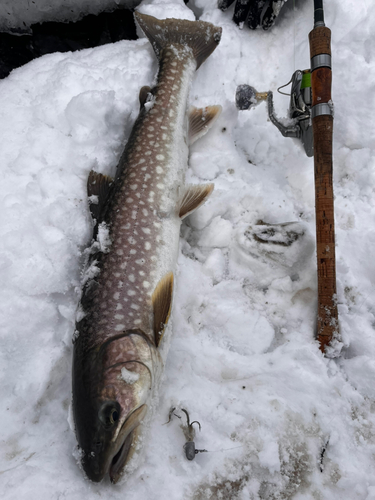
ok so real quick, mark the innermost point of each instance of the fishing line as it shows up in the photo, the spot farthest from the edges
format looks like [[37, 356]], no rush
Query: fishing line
[[224, 449]]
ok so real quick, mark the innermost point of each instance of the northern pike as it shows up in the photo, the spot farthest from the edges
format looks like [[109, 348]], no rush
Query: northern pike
[[121, 339]]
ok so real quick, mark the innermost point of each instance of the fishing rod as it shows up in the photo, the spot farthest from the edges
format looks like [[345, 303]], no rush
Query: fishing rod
[[311, 114]]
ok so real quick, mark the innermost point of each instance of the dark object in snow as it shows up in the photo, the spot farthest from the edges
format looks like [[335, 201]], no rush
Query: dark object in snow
[[299, 107], [324, 449], [254, 13], [189, 433], [46, 38]]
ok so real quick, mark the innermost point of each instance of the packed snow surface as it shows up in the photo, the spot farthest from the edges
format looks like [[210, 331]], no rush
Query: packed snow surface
[[279, 420]]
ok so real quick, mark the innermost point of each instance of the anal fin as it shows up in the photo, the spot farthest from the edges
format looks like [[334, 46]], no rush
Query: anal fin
[[201, 120], [162, 305], [98, 187], [195, 195]]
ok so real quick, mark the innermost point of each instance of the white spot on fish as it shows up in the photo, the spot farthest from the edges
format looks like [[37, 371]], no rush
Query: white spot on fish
[[134, 214], [148, 153], [132, 251], [146, 230], [160, 185], [120, 252], [133, 186], [160, 157], [119, 327], [144, 211], [147, 177], [150, 128], [148, 245], [129, 200], [131, 240], [131, 292], [134, 306], [118, 307], [126, 226], [146, 284], [119, 316], [164, 136], [140, 262], [131, 278], [171, 113], [137, 321], [116, 295]]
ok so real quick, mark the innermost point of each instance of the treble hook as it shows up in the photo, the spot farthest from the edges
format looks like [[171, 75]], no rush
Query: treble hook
[[189, 433]]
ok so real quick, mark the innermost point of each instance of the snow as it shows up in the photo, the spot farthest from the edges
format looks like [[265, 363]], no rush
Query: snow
[[243, 360]]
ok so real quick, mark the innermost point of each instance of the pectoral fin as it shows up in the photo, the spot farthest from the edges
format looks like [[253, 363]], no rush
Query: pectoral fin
[[98, 187], [201, 120], [162, 304], [195, 195]]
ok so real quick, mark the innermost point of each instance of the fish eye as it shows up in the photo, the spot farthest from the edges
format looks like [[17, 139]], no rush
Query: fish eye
[[109, 414]]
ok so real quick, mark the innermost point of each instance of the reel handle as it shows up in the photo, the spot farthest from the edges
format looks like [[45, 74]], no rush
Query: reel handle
[[247, 97]]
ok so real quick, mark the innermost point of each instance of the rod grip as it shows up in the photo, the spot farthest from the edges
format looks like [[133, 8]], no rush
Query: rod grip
[[321, 81], [325, 230], [320, 41]]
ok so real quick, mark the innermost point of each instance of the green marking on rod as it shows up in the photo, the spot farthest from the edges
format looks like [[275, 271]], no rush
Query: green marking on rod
[[306, 80]]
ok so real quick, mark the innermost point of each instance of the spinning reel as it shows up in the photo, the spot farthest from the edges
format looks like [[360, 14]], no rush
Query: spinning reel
[[299, 108]]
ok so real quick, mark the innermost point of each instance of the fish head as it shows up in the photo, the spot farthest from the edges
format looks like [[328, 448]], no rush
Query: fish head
[[110, 403]]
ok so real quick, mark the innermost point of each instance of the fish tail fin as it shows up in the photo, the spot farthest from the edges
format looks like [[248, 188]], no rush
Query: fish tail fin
[[201, 37]]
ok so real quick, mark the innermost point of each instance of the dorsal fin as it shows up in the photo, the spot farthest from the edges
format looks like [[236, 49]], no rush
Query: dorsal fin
[[98, 187], [143, 95], [195, 195], [162, 304], [201, 120]]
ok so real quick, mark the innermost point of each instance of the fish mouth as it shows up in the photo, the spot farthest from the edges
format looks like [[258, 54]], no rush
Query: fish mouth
[[129, 433]]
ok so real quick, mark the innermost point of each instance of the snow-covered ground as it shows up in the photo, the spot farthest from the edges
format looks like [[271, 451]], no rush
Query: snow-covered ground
[[243, 359]]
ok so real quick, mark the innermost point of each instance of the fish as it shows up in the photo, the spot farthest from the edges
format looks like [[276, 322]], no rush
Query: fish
[[122, 333]]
